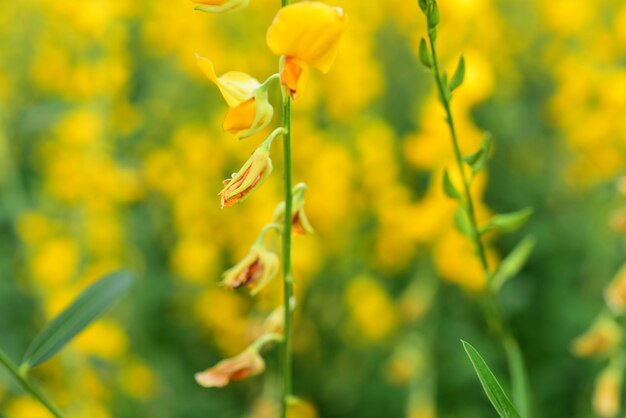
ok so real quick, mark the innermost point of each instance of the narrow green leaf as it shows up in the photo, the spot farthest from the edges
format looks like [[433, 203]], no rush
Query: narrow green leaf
[[87, 307], [425, 56], [514, 262], [490, 384], [448, 187], [462, 223], [459, 75], [423, 4], [433, 15], [478, 160], [507, 222]]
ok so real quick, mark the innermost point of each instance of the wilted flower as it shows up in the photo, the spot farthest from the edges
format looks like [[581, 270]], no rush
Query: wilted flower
[[248, 178], [606, 397], [601, 338], [299, 221], [254, 271], [615, 293], [248, 363], [249, 107], [306, 33], [218, 6]]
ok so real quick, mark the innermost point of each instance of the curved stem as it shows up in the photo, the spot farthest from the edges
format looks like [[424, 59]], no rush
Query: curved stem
[[492, 312], [29, 387]]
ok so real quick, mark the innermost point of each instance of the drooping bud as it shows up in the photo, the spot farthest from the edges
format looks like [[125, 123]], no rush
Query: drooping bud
[[615, 293], [248, 363], [299, 222], [601, 338], [248, 178], [254, 271]]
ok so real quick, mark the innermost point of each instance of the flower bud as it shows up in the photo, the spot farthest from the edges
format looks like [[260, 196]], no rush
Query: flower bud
[[255, 271], [615, 293], [248, 178], [601, 338], [607, 392], [220, 6], [299, 222], [248, 363]]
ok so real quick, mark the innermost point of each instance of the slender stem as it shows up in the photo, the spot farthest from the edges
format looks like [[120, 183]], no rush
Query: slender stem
[[29, 387], [287, 277], [492, 312]]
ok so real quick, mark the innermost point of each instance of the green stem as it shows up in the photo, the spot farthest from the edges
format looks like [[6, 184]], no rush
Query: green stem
[[287, 276], [492, 312], [29, 387]]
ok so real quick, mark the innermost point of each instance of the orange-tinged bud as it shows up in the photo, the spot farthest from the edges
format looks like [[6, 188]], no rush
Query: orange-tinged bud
[[615, 293], [299, 222], [248, 363], [255, 271], [306, 33], [607, 393], [220, 6], [601, 338], [248, 178]]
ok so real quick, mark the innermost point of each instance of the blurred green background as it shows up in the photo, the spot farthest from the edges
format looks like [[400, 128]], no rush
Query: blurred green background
[[111, 155]]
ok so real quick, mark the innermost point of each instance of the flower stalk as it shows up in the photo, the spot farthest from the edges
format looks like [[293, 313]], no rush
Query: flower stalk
[[492, 311]]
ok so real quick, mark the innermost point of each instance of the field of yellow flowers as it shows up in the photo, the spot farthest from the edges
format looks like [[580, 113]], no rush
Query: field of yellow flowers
[[119, 120]]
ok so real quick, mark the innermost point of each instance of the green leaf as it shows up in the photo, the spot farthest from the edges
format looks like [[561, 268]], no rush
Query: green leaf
[[490, 384], [448, 187], [425, 56], [479, 158], [87, 307], [433, 15], [508, 222], [514, 262], [462, 223], [459, 75]]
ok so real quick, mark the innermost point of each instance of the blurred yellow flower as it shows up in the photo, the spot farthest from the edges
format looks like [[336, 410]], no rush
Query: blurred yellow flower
[[607, 392], [615, 293], [306, 33], [371, 308], [602, 337]]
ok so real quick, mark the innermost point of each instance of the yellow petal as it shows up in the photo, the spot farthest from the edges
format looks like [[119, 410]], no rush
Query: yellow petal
[[241, 117], [308, 31], [236, 87], [294, 75]]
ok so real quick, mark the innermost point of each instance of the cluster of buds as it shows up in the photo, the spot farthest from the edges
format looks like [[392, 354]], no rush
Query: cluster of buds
[[304, 35]]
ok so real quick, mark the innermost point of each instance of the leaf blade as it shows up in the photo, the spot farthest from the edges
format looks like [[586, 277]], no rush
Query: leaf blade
[[91, 303], [513, 262], [492, 388]]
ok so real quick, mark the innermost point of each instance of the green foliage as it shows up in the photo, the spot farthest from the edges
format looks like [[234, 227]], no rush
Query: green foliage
[[478, 160], [425, 56], [514, 262], [459, 75], [449, 188], [492, 388], [92, 303], [507, 222]]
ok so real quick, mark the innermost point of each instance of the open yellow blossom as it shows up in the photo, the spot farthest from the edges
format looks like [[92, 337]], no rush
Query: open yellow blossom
[[250, 176], [219, 6], [306, 33], [250, 110], [248, 363], [255, 271]]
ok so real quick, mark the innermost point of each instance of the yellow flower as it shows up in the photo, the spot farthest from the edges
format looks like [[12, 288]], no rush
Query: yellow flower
[[254, 271], [248, 363], [217, 6], [306, 33], [250, 110], [250, 176]]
